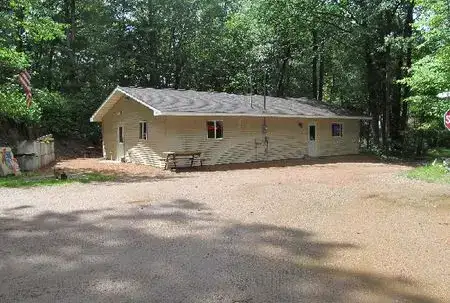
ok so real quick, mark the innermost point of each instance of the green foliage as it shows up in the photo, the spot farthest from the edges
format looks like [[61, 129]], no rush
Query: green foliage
[[42, 29], [26, 25], [430, 74], [14, 107], [48, 109], [23, 24], [10, 58], [351, 53], [430, 173], [55, 113], [36, 180]]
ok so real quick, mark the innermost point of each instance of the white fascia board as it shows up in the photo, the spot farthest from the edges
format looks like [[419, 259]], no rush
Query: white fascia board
[[92, 119], [117, 89], [188, 114]]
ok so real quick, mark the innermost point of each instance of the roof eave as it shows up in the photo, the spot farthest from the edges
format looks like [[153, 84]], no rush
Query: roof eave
[[196, 114]]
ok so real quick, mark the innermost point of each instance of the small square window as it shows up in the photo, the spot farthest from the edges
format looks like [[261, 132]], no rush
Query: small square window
[[337, 129], [214, 129], [143, 131]]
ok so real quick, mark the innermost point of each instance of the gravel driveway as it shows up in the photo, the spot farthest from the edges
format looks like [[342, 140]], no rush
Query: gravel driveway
[[338, 232]]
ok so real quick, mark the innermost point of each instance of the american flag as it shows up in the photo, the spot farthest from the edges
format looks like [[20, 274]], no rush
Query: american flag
[[25, 81]]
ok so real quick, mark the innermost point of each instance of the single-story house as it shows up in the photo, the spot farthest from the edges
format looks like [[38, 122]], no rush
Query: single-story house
[[140, 124]]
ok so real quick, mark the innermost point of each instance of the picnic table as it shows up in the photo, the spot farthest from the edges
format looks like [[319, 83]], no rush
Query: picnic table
[[172, 157]]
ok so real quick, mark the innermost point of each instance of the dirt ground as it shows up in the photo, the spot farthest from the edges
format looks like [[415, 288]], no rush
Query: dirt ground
[[109, 167], [333, 230], [130, 169]]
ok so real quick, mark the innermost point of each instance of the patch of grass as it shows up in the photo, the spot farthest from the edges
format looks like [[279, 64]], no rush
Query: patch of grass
[[94, 177], [430, 173], [36, 180]]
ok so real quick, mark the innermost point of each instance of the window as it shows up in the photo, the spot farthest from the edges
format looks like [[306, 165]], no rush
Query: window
[[337, 129], [120, 134], [143, 130], [312, 133], [215, 129]]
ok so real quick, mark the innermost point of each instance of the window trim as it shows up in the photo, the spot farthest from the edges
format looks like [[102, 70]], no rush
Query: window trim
[[215, 130], [141, 134], [342, 130]]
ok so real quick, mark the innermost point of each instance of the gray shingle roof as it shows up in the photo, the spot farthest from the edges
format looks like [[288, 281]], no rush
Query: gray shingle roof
[[189, 101]]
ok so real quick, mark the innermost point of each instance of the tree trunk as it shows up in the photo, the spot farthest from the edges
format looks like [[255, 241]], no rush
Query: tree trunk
[[314, 64], [177, 59], [70, 11], [50, 67], [321, 74], [383, 112], [72, 22], [408, 62], [373, 83], [20, 30], [396, 103], [368, 136], [386, 81], [419, 145], [179, 64], [283, 69], [333, 86]]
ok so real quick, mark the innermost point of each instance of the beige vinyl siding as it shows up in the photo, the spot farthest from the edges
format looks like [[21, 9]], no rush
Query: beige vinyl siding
[[243, 139], [109, 137], [328, 145], [136, 150]]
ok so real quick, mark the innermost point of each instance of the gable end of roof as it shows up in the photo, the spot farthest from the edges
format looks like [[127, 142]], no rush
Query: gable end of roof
[[112, 99]]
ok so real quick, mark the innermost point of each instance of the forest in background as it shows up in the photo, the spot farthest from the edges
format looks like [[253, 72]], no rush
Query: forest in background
[[388, 59]]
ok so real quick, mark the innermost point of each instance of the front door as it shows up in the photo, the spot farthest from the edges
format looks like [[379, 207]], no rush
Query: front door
[[120, 144], [312, 152]]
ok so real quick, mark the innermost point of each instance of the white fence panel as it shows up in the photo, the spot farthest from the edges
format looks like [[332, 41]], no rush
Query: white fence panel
[[33, 155]]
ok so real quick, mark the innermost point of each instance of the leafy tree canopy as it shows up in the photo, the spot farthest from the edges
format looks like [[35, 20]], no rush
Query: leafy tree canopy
[[384, 58]]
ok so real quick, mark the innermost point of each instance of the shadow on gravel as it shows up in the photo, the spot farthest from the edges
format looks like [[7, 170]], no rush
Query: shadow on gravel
[[123, 178], [363, 159], [121, 172], [175, 252], [129, 178], [19, 207]]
